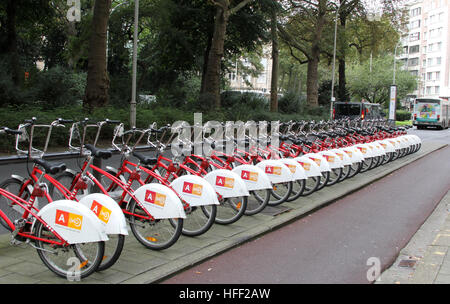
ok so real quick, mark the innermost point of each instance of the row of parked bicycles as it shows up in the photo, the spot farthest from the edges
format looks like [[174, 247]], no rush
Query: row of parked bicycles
[[77, 218]]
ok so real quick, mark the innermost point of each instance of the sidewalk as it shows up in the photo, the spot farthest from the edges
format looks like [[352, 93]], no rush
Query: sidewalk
[[426, 258], [138, 265]]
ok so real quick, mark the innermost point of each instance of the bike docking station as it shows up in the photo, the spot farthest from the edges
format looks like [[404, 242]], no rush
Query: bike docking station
[[209, 188]]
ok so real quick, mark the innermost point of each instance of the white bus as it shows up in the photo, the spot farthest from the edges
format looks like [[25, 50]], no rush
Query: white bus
[[431, 112]]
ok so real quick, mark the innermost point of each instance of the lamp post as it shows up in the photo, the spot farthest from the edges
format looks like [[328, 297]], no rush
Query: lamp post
[[334, 62], [133, 89]]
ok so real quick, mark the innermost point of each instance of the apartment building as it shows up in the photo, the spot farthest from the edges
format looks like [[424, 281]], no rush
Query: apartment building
[[260, 84], [426, 48]]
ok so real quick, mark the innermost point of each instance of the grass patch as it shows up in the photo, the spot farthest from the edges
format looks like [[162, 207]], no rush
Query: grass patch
[[403, 123]]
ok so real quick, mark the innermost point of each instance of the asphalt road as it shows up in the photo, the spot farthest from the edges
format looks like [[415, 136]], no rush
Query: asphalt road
[[343, 241]]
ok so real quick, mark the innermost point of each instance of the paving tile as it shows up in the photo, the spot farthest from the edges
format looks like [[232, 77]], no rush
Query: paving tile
[[15, 278], [26, 268]]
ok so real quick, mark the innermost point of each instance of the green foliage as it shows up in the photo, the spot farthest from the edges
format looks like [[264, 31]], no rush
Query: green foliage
[[402, 115], [374, 86]]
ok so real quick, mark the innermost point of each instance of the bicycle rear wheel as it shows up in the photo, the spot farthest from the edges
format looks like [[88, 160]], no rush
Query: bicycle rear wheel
[[8, 207], [73, 261]]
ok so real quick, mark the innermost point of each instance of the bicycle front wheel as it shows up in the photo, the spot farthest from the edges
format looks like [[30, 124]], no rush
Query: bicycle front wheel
[[230, 209], [297, 190], [199, 219], [154, 234], [280, 193], [257, 201], [73, 262]]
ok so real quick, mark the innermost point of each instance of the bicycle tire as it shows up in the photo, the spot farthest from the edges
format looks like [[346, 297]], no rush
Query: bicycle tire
[[84, 269], [355, 168], [323, 180], [257, 201], [198, 219], [151, 240], [230, 210], [335, 175], [295, 194], [114, 246], [311, 185], [345, 173], [366, 164], [280, 192], [7, 206]]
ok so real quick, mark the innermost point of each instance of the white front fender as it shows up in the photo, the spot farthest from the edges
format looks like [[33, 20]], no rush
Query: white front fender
[[227, 183], [108, 211], [74, 222], [253, 177], [160, 201], [196, 191]]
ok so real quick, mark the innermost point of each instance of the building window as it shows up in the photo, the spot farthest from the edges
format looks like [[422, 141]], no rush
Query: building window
[[414, 49], [430, 61], [415, 12], [437, 76], [438, 60], [436, 90], [414, 36], [414, 24], [428, 90], [413, 61]]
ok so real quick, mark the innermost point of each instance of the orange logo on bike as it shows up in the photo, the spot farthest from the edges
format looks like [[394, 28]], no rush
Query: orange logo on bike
[[306, 166], [227, 182], [329, 158], [363, 150], [349, 153], [70, 220], [155, 198], [291, 167], [192, 188], [273, 170], [101, 211], [250, 176], [341, 156], [317, 160]]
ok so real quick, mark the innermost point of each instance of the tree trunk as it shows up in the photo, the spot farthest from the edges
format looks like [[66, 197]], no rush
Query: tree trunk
[[211, 88], [97, 87], [275, 64], [312, 80], [14, 64], [342, 91]]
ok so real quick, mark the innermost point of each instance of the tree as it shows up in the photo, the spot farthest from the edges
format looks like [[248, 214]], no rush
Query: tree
[[97, 87], [303, 31], [275, 61], [224, 10], [374, 85]]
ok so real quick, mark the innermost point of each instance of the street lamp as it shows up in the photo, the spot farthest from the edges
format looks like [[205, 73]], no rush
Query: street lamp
[[334, 61], [133, 89]]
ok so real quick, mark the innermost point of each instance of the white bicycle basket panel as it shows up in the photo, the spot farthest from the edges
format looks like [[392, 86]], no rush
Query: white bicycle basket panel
[[227, 183], [254, 177], [74, 222], [333, 160], [194, 190], [296, 169], [310, 166], [320, 161], [108, 211], [160, 201], [276, 171], [345, 158]]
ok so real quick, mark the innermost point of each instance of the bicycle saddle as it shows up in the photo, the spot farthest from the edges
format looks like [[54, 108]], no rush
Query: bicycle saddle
[[104, 154], [145, 159], [50, 168]]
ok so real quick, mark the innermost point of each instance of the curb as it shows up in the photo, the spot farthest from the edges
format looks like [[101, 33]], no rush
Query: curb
[[160, 273]]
